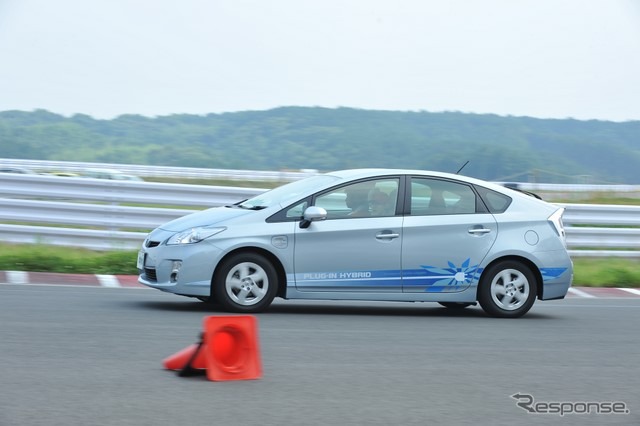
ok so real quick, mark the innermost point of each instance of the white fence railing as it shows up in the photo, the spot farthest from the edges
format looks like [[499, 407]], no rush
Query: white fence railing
[[45, 166], [66, 211], [118, 191], [40, 166]]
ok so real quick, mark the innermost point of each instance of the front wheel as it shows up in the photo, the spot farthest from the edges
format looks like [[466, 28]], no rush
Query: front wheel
[[245, 282], [507, 289]]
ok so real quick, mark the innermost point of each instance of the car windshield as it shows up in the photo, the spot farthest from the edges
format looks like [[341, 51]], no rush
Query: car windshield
[[287, 192]]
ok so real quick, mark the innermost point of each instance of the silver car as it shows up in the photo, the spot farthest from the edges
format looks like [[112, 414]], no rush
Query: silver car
[[369, 234]]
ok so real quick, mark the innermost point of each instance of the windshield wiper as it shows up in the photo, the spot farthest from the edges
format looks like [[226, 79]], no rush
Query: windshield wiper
[[236, 205], [242, 206]]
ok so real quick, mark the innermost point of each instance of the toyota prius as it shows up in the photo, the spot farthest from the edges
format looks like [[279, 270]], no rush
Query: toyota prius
[[367, 234]]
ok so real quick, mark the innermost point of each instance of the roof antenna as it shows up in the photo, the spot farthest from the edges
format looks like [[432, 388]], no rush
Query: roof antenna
[[460, 169]]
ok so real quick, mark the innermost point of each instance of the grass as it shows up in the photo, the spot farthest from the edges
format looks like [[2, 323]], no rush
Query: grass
[[46, 258], [609, 272]]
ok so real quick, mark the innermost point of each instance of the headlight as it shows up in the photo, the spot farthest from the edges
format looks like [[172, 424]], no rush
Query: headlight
[[193, 235]]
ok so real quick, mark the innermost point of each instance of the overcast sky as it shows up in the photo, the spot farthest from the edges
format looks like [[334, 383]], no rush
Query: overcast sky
[[539, 58]]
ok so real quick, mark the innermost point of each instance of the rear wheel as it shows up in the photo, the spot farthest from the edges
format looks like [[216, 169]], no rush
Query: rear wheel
[[245, 282], [507, 289]]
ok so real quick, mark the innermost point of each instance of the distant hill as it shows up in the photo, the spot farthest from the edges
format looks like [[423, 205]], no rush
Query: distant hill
[[498, 148]]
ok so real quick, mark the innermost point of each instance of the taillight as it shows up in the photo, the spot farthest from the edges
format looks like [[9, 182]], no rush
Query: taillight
[[556, 223]]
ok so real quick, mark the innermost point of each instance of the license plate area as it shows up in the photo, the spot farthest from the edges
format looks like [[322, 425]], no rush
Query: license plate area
[[140, 262]]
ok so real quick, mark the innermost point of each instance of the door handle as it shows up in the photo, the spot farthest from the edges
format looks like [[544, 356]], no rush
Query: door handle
[[479, 231], [387, 236]]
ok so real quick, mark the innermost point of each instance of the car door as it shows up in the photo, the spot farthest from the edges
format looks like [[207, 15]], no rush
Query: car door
[[446, 235], [357, 248]]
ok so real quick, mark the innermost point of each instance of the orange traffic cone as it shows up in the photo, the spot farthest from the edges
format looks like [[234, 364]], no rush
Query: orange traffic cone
[[228, 350], [189, 361], [231, 348]]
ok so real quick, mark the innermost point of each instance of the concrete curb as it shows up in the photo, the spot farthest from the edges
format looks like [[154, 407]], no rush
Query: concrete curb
[[51, 278]]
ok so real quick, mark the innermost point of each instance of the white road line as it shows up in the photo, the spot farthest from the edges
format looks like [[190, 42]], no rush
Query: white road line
[[17, 277], [580, 293], [631, 290], [108, 281]]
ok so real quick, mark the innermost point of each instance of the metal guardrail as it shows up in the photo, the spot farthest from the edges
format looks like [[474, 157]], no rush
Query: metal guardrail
[[613, 230], [158, 171], [77, 205], [93, 239], [600, 214], [31, 204], [93, 215], [117, 191], [270, 176]]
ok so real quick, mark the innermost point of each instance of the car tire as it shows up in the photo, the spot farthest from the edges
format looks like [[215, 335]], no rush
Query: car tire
[[455, 305], [245, 283], [507, 289]]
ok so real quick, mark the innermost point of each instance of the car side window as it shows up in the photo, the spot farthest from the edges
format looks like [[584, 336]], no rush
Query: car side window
[[438, 197], [496, 202], [297, 211], [373, 198]]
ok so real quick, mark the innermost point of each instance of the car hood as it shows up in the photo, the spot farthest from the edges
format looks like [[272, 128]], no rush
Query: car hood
[[213, 216]]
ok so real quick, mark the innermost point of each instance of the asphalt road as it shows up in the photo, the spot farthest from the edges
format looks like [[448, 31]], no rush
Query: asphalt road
[[93, 356]]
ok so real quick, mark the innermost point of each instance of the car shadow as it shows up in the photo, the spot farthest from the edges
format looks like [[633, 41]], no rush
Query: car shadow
[[339, 308], [402, 309], [178, 306]]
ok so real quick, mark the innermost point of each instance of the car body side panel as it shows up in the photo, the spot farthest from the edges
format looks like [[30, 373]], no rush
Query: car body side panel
[[536, 241], [440, 255], [349, 255]]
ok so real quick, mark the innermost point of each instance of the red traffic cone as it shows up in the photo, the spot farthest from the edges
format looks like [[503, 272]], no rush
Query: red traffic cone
[[228, 350], [190, 358], [231, 348]]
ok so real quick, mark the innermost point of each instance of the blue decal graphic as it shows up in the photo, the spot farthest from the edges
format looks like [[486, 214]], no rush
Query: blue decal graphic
[[551, 273], [430, 279], [388, 279], [451, 279]]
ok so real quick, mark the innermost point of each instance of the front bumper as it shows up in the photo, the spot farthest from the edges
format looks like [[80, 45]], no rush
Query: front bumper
[[180, 269]]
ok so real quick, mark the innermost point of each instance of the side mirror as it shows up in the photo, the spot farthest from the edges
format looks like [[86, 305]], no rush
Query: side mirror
[[312, 214]]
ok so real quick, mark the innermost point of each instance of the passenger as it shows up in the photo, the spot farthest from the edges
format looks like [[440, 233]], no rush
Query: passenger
[[379, 203], [357, 201]]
